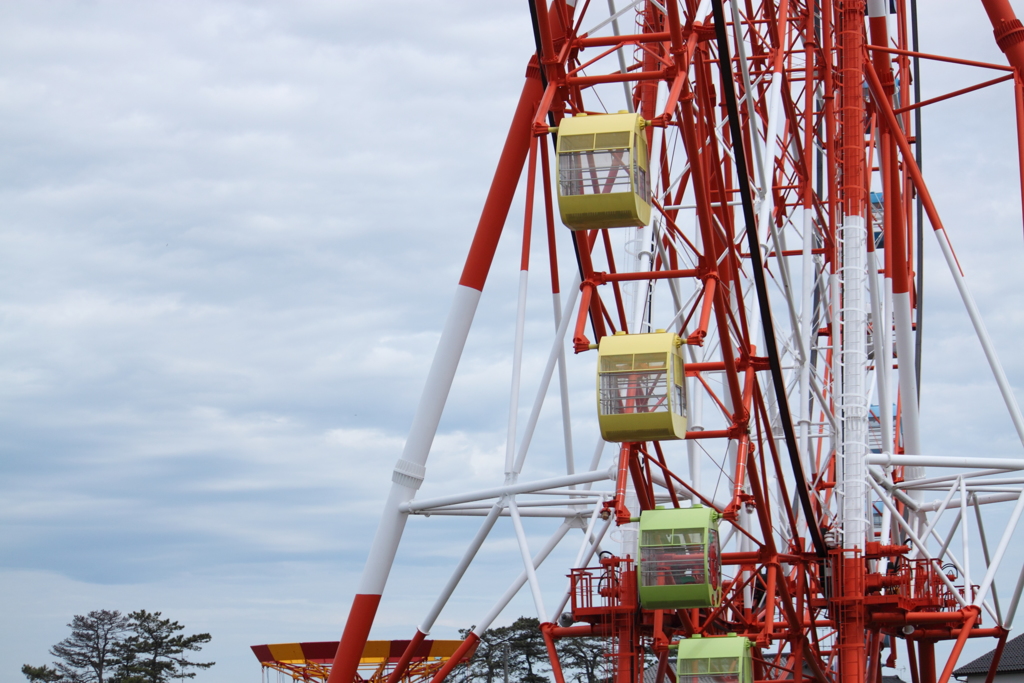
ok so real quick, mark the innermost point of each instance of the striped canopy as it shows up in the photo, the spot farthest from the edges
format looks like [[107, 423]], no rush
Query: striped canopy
[[375, 652]]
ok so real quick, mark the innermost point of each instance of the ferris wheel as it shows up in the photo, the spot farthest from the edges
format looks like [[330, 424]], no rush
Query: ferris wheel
[[740, 189]]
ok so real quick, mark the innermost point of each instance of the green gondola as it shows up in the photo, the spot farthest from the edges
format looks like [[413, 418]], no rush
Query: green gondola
[[725, 659], [679, 559]]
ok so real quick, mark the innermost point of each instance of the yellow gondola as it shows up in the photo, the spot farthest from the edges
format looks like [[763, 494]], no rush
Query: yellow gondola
[[641, 387], [603, 172]]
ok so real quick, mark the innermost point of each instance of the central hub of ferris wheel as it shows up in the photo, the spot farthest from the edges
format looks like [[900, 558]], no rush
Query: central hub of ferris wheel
[[743, 229]]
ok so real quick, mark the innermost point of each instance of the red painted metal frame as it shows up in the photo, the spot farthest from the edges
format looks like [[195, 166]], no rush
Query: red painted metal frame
[[801, 605], [826, 616]]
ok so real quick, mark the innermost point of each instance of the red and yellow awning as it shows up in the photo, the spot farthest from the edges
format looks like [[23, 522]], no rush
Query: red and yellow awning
[[375, 652]]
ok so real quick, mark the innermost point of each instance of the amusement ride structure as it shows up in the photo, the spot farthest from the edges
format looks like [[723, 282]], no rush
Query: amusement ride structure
[[740, 183]]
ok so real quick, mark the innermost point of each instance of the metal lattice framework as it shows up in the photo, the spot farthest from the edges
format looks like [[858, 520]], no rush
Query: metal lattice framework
[[789, 211]]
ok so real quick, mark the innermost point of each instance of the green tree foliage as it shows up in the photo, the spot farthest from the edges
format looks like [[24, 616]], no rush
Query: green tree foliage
[[585, 659], [90, 653], [156, 651], [521, 645], [487, 663], [108, 647], [40, 674], [531, 655]]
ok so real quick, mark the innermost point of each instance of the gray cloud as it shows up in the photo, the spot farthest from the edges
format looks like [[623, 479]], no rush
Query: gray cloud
[[229, 234]]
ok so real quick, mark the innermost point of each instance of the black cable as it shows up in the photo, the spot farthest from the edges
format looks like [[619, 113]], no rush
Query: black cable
[[554, 138], [725, 66], [536, 41]]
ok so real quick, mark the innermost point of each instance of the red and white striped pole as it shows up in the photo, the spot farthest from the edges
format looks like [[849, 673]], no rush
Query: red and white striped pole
[[411, 467]]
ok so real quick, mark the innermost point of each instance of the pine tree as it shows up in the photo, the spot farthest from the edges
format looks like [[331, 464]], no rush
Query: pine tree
[[488, 661], [40, 674], [155, 652], [584, 659], [89, 654], [528, 650], [519, 646]]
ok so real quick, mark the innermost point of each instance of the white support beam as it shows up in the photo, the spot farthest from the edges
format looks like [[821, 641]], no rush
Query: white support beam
[[510, 490], [907, 460]]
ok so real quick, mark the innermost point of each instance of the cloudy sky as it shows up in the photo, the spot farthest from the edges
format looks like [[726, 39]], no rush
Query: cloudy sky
[[229, 234]]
